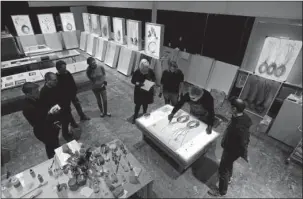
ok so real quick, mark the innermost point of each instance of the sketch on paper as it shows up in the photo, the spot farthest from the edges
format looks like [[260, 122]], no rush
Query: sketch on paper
[[95, 24], [153, 39], [68, 21], [86, 22], [22, 25], [105, 27], [134, 34], [277, 58], [47, 23], [119, 31]]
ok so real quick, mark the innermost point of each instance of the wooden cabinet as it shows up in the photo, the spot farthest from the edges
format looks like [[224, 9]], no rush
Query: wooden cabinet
[[287, 126]]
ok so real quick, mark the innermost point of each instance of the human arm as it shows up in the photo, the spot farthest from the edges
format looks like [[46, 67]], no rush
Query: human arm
[[89, 75], [135, 79], [181, 85], [179, 105], [244, 137]]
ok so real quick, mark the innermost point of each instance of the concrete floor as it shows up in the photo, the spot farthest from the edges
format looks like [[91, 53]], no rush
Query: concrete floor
[[265, 176]]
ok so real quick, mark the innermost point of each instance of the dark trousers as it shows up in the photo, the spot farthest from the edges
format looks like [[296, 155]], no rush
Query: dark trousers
[[170, 98], [226, 170], [51, 146], [101, 97], [66, 118], [137, 109], [78, 107]]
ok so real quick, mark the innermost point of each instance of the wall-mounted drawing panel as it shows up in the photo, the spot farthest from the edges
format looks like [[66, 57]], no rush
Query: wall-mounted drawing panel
[[105, 27], [68, 21], [154, 35], [134, 34], [95, 24], [83, 40], [47, 23], [22, 25], [101, 49], [126, 61], [86, 22], [119, 30], [70, 39]]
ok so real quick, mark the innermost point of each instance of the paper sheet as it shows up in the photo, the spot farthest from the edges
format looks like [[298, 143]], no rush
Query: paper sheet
[[147, 85]]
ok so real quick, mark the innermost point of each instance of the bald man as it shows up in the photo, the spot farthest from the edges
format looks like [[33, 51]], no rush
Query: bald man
[[234, 143], [142, 97], [50, 96]]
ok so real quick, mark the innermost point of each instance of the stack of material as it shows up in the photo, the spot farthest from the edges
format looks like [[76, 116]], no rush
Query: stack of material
[[126, 61], [101, 49]]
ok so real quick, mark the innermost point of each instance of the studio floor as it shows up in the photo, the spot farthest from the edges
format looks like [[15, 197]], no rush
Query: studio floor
[[265, 176]]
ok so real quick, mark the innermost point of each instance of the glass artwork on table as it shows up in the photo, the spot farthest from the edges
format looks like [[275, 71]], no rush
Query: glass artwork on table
[[86, 22], [277, 58], [105, 27], [47, 23], [68, 21], [95, 24], [134, 34], [22, 25], [119, 29], [153, 39]]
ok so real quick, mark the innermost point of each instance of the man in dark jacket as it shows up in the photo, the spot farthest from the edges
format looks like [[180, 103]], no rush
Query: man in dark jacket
[[234, 144], [68, 88], [201, 106], [44, 127], [52, 95]]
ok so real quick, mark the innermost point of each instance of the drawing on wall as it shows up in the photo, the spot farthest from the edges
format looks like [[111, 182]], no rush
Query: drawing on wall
[[86, 22], [95, 24], [22, 25], [134, 34], [105, 27], [277, 58], [119, 29], [47, 23], [68, 21], [153, 39]]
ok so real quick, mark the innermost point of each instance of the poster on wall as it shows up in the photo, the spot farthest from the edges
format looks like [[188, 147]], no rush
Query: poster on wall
[[95, 24], [134, 35], [47, 23], [277, 58], [86, 22], [119, 30], [68, 21], [105, 27], [22, 25], [154, 35]]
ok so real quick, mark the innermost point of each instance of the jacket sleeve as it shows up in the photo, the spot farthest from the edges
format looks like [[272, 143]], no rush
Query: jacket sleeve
[[88, 74], [244, 135], [135, 77], [73, 85], [163, 77], [211, 111], [103, 70], [179, 105], [152, 75]]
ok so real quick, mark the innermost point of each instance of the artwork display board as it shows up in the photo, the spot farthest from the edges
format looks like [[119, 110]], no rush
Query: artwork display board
[[105, 27], [101, 49], [47, 23], [70, 39], [198, 71], [86, 22], [134, 34], [71, 68], [90, 43], [83, 40], [34, 76], [119, 30], [95, 24], [27, 41], [277, 58], [44, 71], [126, 61], [7, 82], [80, 66], [222, 77], [54, 41], [154, 36], [22, 25], [68, 21], [112, 54]]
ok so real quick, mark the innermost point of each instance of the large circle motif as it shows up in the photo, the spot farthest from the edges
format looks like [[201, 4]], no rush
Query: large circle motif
[[183, 118], [178, 114], [280, 71], [152, 47], [25, 29], [271, 68], [263, 67], [69, 26], [193, 124]]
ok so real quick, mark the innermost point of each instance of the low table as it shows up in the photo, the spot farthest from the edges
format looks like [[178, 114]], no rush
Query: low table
[[182, 144], [144, 188]]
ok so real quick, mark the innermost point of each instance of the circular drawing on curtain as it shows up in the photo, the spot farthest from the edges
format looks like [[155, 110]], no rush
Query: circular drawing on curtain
[[69, 26], [152, 47], [25, 29], [271, 68], [280, 71]]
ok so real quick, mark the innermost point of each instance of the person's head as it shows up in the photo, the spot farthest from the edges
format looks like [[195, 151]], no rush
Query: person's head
[[91, 62], [144, 66], [237, 106], [51, 80], [172, 65], [61, 67], [31, 90], [195, 93]]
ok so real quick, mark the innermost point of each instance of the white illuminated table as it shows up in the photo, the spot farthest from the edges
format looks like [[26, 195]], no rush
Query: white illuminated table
[[181, 143]]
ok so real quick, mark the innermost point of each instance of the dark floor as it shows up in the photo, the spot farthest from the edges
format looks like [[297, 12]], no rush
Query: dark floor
[[265, 176]]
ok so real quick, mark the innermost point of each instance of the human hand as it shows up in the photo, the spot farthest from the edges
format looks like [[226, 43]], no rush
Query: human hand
[[208, 130], [170, 117], [55, 109]]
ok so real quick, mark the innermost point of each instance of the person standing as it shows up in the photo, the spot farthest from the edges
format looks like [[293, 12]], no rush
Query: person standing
[[51, 95], [234, 143], [97, 76], [172, 84], [142, 97], [44, 128], [201, 106], [68, 88]]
